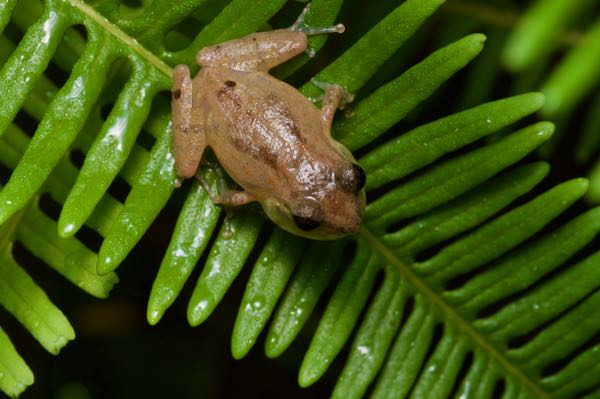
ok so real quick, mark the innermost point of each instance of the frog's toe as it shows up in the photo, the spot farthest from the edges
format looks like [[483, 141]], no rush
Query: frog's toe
[[301, 26], [345, 96]]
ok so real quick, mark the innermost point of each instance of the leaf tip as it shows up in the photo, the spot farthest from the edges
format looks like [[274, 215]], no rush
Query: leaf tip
[[581, 185], [198, 311], [554, 101], [478, 37], [541, 168], [153, 315], [106, 263], [66, 228], [306, 378], [312, 368], [544, 130], [537, 99], [274, 345], [239, 348]]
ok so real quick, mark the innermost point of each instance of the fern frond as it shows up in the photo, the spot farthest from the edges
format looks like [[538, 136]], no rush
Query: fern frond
[[536, 38], [20, 295], [478, 279]]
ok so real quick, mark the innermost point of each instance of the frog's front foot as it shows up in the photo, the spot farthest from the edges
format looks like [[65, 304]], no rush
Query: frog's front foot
[[339, 94], [226, 196], [335, 97], [301, 26]]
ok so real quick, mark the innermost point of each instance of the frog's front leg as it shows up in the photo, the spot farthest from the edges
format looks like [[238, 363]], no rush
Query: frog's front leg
[[226, 197], [335, 97], [189, 139]]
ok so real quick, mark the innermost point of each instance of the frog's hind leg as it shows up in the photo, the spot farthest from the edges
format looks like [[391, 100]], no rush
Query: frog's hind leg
[[189, 139], [335, 97], [301, 26], [263, 50]]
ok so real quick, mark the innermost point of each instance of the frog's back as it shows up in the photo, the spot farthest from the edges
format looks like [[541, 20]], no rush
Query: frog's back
[[261, 129]]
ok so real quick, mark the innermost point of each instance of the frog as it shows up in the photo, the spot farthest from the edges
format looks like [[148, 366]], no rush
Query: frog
[[273, 141]]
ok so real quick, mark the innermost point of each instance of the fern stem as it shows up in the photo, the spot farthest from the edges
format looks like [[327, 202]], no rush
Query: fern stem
[[450, 314], [130, 42]]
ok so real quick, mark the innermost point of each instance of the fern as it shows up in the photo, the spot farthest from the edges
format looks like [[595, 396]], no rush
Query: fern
[[538, 37], [484, 292]]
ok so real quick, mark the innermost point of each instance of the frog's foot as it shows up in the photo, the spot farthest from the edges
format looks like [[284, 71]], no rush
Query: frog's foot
[[335, 97], [300, 26], [226, 197], [227, 230], [333, 93], [216, 167]]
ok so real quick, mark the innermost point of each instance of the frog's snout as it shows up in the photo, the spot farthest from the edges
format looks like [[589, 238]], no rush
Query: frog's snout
[[347, 219], [354, 219]]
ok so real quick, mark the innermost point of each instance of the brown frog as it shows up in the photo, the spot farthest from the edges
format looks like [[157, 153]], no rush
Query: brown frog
[[269, 138]]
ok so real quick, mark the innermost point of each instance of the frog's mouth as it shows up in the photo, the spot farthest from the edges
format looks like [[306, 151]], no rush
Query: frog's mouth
[[282, 216]]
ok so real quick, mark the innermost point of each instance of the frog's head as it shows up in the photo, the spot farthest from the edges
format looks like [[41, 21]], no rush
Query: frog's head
[[330, 213]]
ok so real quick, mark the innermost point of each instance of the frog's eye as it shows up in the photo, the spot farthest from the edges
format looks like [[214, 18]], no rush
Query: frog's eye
[[307, 215], [353, 178], [361, 178], [304, 223]]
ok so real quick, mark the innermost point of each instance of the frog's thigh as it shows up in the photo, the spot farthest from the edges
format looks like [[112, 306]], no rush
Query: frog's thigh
[[188, 137], [255, 52]]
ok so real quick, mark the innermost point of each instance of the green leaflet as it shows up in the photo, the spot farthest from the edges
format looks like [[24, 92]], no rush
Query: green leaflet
[[485, 244], [374, 337], [407, 353], [323, 13], [269, 277], [20, 294], [38, 161], [16, 376], [301, 296], [465, 274], [435, 186], [551, 46], [155, 182], [575, 75], [589, 142], [346, 71], [341, 314], [5, 10], [539, 31], [226, 258], [425, 144], [197, 219], [382, 109], [237, 19], [464, 212], [25, 66], [111, 148], [28, 303]]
